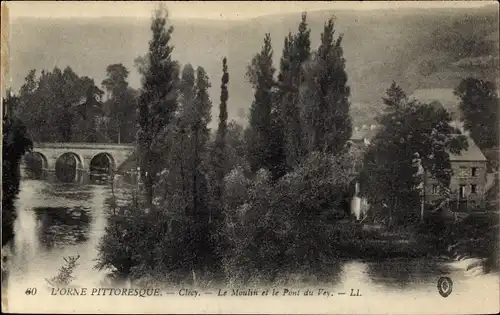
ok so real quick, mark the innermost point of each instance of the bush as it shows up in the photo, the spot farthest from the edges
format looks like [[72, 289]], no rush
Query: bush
[[160, 244], [476, 235], [65, 275], [281, 227]]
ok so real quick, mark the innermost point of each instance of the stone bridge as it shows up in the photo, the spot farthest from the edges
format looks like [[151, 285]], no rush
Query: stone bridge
[[82, 155]]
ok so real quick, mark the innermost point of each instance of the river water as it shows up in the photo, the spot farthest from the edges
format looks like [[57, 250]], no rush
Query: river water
[[57, 220]]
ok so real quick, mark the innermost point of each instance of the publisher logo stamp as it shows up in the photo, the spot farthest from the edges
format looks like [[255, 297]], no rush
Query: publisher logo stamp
[[445, 286]]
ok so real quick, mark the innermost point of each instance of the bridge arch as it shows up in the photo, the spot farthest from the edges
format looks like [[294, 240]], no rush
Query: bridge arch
[[68, 167], [79, 156], [101, 166], [36, 164]]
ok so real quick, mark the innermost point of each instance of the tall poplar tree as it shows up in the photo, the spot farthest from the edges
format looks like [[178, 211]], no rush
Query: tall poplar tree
[[220, 142], [157, 101], [278, 158], [325, 96], [199, 210], [182, 147], [199, 137], [261, 74], [296, 51]]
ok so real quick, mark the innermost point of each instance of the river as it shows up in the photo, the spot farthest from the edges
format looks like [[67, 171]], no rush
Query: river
[[57, 220]]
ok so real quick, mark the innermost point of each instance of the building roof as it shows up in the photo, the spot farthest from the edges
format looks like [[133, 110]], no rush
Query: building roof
[[472, 154]]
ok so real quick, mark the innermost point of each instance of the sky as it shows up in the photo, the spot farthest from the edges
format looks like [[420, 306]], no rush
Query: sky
[[225, 10]]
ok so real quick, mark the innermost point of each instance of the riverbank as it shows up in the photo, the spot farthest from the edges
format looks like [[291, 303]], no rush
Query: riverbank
[[470, 244]]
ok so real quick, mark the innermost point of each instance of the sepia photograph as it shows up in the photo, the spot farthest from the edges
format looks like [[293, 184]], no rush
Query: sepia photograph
[[329, 157]]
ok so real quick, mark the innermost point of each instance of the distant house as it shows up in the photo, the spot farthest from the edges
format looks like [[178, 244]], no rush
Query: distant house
[[360, 139], [364, 134], [468, 181]]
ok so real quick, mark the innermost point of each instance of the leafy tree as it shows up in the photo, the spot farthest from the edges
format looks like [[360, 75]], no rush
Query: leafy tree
[[325, 96], [121, 104], [260, 73], [15, 144], [77, 101], [116, 80], [396, 98], [409, 129], [280, 227], [91, 108], [157, 100], [58, 103], [479, 105]]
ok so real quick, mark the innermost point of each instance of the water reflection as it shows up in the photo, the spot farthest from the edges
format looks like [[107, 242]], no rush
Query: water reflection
[[402, 273], [26, 241], [71, 194], [62, 226], [56, 220]]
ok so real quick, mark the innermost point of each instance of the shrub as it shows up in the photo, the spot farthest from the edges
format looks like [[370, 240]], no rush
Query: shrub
[[281, 228], [159, 244], [475, 235], [65, 275]]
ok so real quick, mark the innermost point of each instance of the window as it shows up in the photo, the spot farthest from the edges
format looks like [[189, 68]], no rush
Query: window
[[473, 189], [462, 191], [474, 171], [435, 189]]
